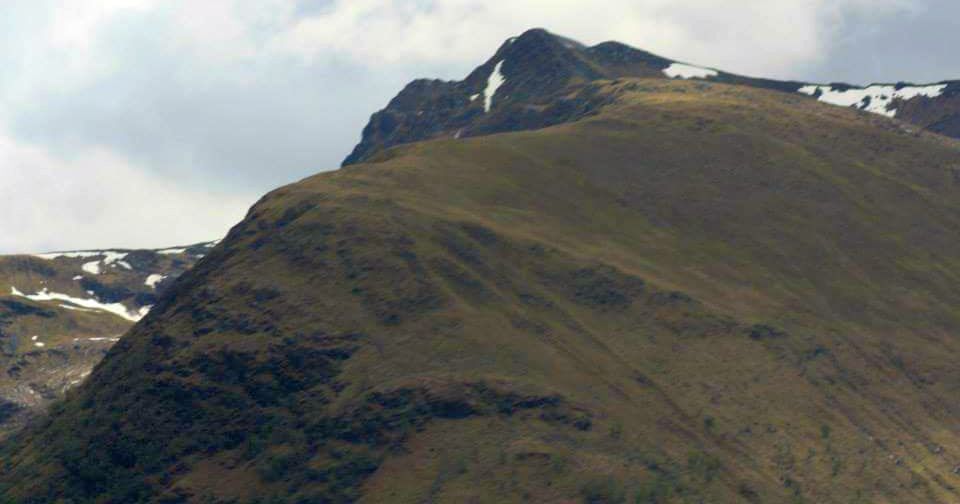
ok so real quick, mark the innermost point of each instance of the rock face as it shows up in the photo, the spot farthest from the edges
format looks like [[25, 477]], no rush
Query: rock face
[[536, 68], [542, 76], [61, 312], [940, 114]]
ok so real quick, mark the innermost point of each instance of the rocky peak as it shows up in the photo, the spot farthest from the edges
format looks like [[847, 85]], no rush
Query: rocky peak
[[517, 88], [527, 84]]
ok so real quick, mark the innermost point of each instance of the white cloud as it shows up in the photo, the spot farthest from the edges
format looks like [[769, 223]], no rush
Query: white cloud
[[59, 47], [751, 35], [755, 36], [74, 25], [97, 199]]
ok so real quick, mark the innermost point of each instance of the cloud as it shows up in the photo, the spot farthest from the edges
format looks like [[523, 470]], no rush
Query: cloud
[[97, 199], [186, 90], [918, 44], [754, 36], [235, 97]]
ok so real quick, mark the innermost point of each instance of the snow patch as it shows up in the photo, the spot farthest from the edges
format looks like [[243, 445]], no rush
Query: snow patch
[[70, 255], [115, 308], [153, 280], [74, 308], [171, 251], [494, 82], [78, 277], [683, 71], [108, 256], [876, 98], [92, 267], [104, 258]]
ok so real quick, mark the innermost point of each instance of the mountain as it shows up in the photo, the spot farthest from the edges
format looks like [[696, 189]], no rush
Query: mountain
[[532, 82], [696, 292], [60, 312]]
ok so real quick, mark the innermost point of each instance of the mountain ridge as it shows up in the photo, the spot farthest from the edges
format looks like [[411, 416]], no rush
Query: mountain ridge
[[543, 66], [700, 292]]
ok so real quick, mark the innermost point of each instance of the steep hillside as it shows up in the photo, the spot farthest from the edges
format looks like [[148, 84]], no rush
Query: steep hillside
[[533, 81], [701, 293], [60, 312]]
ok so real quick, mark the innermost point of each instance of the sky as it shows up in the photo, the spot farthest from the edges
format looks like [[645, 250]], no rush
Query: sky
[[152, 123]]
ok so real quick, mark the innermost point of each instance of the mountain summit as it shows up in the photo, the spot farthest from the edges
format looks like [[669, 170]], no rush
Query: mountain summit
[[685, 290], [536, 80], [518, 88]]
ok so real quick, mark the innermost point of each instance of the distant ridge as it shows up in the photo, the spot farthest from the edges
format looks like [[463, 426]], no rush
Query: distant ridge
[[60, 312]]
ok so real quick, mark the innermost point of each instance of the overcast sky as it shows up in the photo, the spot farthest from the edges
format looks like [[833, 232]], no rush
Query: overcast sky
[[148, 123]]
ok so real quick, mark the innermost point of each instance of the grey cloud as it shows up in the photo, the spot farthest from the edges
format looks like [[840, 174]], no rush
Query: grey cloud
[[246, 125], [267, 126], [919, 45]]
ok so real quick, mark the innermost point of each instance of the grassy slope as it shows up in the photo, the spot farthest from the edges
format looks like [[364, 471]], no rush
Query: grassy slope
[[703, 293]]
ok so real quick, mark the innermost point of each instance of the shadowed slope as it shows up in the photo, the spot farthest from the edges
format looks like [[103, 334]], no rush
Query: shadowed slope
[[702, 292]]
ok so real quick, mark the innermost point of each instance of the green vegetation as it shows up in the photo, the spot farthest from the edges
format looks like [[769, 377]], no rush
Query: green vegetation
[[604, 491], [703, 293]]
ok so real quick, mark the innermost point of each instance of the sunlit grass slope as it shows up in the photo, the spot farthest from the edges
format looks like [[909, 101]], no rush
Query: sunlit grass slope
[[703, 293]]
